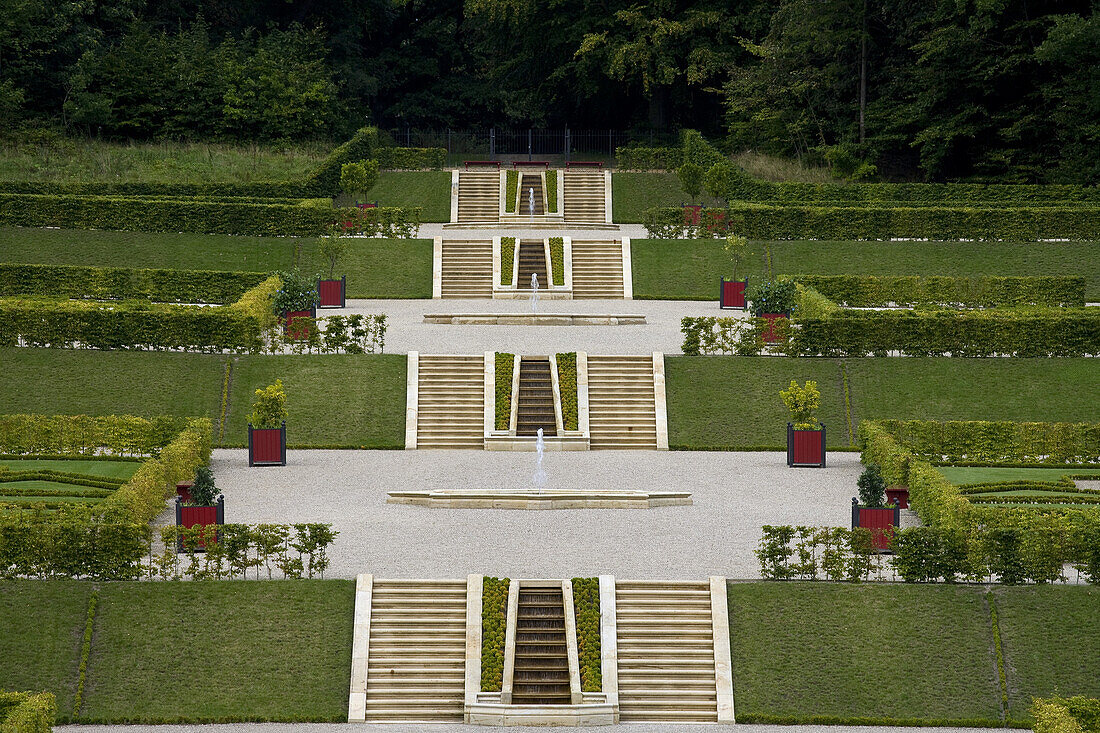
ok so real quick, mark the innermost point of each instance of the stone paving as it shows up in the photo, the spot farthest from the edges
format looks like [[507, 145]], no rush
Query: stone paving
[[406, 330], [734, 494], [428, 230]]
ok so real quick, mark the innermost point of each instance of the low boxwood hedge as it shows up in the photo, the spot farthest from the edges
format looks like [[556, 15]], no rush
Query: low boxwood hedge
[[122, 283], [494, 612]]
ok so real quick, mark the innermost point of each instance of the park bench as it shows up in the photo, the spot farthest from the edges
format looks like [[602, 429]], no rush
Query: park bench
[[584, 164], [493, 163], [518, 163]]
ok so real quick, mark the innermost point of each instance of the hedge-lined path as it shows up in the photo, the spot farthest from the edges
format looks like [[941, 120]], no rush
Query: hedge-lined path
[[460, 728], [406, 330], [734, 494]]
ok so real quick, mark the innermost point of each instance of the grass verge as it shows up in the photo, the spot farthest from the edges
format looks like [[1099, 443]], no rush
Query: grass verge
[[257, 650], [379, 268], [633, 193], [806, 652], [689, 269], [430, 190]]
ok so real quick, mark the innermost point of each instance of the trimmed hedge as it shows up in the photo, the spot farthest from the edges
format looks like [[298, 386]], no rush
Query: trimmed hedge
[[25, 712], [410, 158], [83, 436], [121, 283], [557, 261], [505, 366], [552, 191], [507, 259], [1027, 333], [586, 609], [325, 178], [511, 187], [256, 190], [873, 291], [775, 222], [649, 159], [567, 387], [964, 441], [494, 612]]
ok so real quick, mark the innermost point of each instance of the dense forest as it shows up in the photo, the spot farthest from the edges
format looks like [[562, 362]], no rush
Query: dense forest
[[1005, 90]]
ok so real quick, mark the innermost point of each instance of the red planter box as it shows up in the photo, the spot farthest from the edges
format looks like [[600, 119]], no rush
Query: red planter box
[[198, 516], [300, 331], [731, 294], [899, 496], [331, 293], [692, 214], [879, 521], [805, 448], [771, 335], [267, 446], [183, 490]]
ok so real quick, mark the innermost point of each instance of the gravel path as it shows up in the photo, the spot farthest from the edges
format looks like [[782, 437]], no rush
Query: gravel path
[[458, 728], [429, 230], [406, 330], [734, 494]]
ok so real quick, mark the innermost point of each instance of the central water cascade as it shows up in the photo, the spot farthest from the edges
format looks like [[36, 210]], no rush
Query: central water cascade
[[531, 200], [540, 473], [534, 292]]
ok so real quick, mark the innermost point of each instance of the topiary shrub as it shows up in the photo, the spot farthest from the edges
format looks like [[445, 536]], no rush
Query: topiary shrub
[[269, 407], [872, 487], [802, 402], [203, 490]]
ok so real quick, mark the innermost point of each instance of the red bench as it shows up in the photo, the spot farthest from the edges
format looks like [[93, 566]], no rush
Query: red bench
[[544, 163], [493, 163], [584, 164]]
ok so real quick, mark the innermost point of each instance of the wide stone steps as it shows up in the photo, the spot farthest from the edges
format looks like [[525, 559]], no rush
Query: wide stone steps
[[597, 270], [451, 402], [541, 672], [622, 412], [530, 182], [467, 269], [416, 651], [532, 260], [479, 196], [665, 653], [583, 194]]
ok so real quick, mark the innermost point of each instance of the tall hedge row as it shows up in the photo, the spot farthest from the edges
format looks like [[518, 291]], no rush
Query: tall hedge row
[[867, 223], [120, 436], [959, 441], [25, 712], [121, 283], [874, 291], [1047, 332]]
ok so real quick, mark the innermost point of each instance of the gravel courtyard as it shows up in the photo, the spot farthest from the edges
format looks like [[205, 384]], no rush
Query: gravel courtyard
[[734, 494]]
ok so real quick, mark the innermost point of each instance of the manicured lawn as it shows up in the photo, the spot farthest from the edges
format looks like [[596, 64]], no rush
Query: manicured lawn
[[379, 268], [1049, 635], [41, 631], [689, 269], [978, 475], [428, 189], [237, 650], [333, 399], [807, 652], [733, 402], [78, 160], [110, 469], [633, 193], [85, 382]]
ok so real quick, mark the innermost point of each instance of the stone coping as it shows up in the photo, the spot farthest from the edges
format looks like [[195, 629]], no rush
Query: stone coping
[[583, 715], [537, 319], [529, 499]]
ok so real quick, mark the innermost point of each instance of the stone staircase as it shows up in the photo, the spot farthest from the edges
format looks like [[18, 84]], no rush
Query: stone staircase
[[666, 652], [528, 182], [597, 270], [450, 402], [541, 672], [417, 651], [478, 196], [584, 195], [467, 269], [536, 398], [532, 259], [622, 409]]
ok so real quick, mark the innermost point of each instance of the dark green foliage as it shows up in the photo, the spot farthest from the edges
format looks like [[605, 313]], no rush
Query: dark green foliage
[[507, 259], [691, 179], [649, 159], [567, 386], [872, 487], [203, 490], [412, 159], [557, 260], [494, 611], [586, 608], [123, 283], [771, 296], [943, 222], [297, 293], [873, 291], [505, 366]]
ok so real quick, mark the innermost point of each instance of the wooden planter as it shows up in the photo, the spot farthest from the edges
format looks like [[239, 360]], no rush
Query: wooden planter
[[267, 446], [731, 294], [301, 330], [898, 495], [805, 448], [198, 516], [332, 292], [771, 334], [877, 520]]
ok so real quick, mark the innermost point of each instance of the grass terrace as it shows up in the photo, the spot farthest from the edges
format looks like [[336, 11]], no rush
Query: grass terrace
[[689, 269], [56, 482], [633, 193]]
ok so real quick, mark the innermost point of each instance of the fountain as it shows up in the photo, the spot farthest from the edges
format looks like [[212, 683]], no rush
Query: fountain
[[534, 292], [540, 474], [531, 200]]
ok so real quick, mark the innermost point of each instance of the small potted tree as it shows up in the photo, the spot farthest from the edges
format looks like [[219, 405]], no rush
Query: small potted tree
[[267, 427], [296, 299], [870, 510], [691, 181], [205, 505], [772, 300], [731, 293], [805, 433], [331, 293]]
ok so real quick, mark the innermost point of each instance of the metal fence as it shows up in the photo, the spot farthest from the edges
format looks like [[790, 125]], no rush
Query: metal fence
[[497, 143]]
